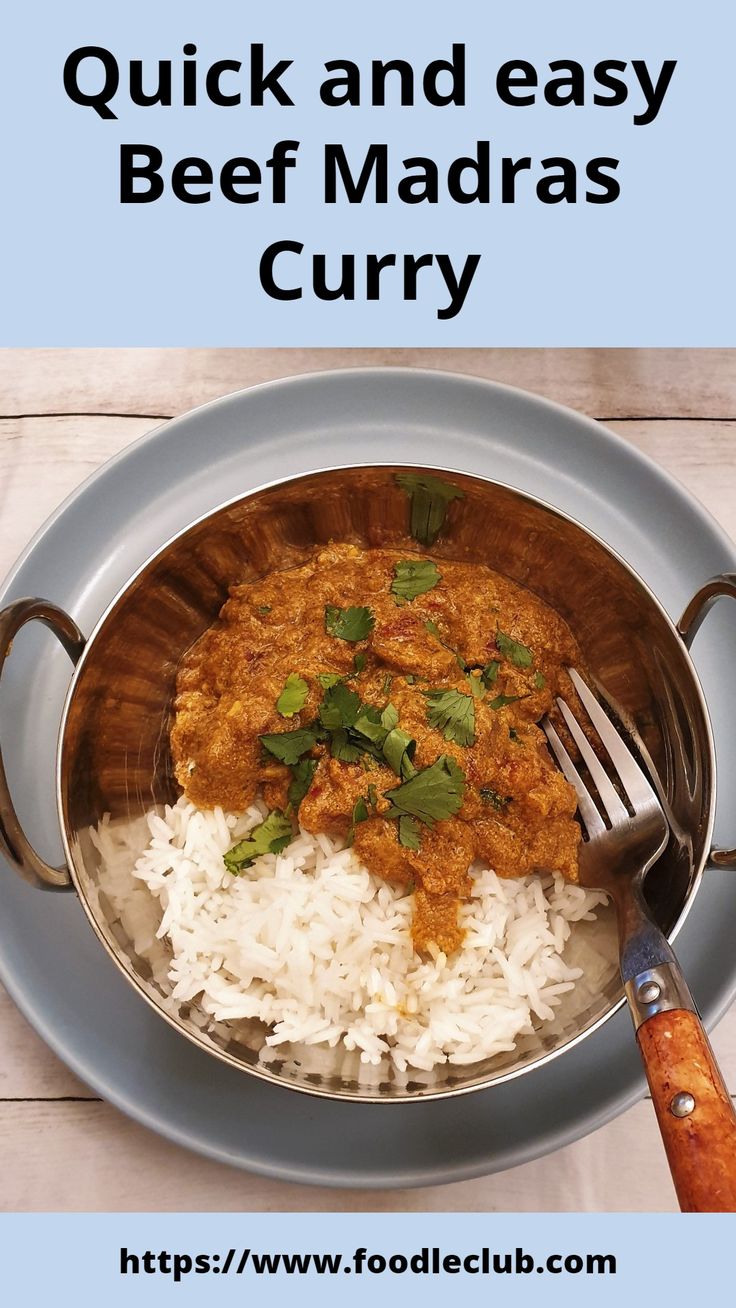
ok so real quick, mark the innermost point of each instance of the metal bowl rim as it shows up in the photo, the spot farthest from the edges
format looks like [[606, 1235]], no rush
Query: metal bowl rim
[[538, 502]]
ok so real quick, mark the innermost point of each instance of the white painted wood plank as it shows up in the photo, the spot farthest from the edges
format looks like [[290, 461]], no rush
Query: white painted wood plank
[[44, 460], [604, 383]]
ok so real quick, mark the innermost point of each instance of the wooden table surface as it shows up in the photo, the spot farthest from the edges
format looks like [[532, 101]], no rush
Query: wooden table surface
[[62, 413]]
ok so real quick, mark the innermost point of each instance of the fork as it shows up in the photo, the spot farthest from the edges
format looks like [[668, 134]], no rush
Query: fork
[[694, 1109]]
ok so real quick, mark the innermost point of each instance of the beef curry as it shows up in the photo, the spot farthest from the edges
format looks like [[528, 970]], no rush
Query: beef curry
[[389, 699]]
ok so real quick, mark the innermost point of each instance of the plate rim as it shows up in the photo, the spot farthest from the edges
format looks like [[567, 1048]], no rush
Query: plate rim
[[446, 1172]]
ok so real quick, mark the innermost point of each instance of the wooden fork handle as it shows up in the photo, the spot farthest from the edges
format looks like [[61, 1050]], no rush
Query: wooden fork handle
[[699, 1139]]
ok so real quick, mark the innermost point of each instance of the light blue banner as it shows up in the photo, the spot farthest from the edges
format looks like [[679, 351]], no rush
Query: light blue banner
[[364, 1259], [653, 267]]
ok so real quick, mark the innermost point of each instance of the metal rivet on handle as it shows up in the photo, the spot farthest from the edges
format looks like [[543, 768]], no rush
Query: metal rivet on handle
[[682, 1104], [649, 992]]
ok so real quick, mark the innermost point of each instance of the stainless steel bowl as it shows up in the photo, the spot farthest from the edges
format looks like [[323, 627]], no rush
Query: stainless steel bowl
[[113, 759]]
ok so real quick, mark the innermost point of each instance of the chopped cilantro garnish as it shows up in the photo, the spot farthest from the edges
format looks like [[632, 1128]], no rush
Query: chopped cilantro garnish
[[502, 700], [433, 630], [387, 683], [358, 662], [360, 811], [477, 689], [340, 707], [293, 696], [389, 717], [288, 746], [390, 744], [302, 775], [432, 794], [518, 654], [348, 624], [343, 748], [539, 681], [398, 751], [359, 814], [372, 795], [370, 725], [327, 679], [429, 498], [264, 608], [414, 577], [453, 714], [409, 833], [269, 837], [514, 735], [492, 797], [490, 672]]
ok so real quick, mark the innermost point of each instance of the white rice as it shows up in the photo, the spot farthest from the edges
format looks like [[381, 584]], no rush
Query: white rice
[[313, 945]]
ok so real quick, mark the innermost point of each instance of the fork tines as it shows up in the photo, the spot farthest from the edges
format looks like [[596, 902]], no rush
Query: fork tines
[[633, 781]]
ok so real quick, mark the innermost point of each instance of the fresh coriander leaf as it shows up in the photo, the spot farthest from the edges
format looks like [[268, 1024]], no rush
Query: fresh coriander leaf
[[389, 717], [302, 775], [343, 748], [270, 837], [372, 795], [348, 624], [409, 834], [340, 707], [502, 700], [539, 681], [489, 673], [360, 811], [477, 689], [327, 679], [264, 608], [386, 687], [453, 714], [409, 678], [433, 630], [492, 797], [293, 697], [398, 751], [360, 814], [429, 498], [369, 725], [432, 794], [414, 577], [358, 662], [288, 746], [518, 654]]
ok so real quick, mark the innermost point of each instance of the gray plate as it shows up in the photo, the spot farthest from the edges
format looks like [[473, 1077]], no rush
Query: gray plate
[[49, 959]]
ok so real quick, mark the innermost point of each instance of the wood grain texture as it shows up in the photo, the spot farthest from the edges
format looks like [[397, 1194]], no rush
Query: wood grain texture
[[701, 1147], [62, 1148], [603, 383]]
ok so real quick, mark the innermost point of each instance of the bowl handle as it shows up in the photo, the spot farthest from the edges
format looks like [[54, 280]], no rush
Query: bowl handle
[[13, 842], [688, 627]]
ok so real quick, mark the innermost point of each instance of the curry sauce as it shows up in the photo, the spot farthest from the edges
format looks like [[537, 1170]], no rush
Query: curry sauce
[[390, 699]]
